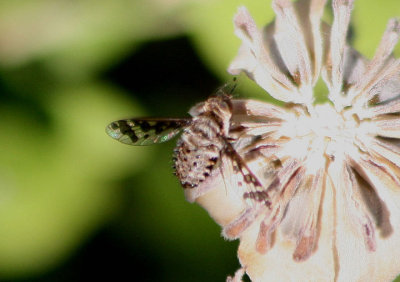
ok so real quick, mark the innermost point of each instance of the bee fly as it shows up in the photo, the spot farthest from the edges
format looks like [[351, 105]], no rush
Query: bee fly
[[203, 144]]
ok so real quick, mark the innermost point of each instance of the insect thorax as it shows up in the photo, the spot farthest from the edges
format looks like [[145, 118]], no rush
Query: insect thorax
[[199, 148]]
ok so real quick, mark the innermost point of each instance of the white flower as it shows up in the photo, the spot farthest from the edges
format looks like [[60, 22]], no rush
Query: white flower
[[329, 206]]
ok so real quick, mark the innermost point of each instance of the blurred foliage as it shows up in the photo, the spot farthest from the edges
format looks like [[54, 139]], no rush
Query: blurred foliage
[[55, 178], [75, 204]]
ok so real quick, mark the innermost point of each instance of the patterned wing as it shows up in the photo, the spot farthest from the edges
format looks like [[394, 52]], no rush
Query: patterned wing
[[146, 131]]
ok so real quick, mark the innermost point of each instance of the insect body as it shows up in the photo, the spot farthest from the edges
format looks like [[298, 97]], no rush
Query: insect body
[[205, 139]]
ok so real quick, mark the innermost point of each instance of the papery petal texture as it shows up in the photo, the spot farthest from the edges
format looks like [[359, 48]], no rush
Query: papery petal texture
[[327, 207]]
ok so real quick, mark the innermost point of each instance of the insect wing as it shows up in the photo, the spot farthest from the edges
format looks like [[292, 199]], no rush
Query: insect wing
[[145, 131]]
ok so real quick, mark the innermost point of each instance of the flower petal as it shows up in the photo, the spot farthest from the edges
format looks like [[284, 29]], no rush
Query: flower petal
[[254, 59], [335, 66], [380, 60], [291, 44]]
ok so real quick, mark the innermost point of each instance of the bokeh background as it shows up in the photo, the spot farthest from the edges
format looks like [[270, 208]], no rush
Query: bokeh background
[[76, 205]]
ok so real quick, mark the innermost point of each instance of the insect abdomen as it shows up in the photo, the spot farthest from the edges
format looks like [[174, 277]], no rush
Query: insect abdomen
[[198, 151]]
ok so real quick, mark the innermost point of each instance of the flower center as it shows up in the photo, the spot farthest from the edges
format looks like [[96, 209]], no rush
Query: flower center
[[323, 131], [330, 124]]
